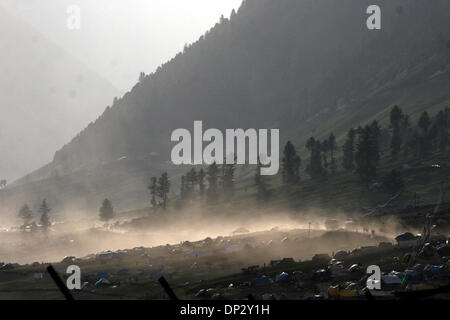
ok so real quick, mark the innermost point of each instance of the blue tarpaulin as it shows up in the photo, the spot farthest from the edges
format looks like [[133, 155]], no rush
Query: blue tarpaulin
[[284, 277]]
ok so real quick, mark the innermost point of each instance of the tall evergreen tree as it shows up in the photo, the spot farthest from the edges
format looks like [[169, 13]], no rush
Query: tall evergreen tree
[[396, 140], [442, 120], [44, 210], [228, 180], [315, 168], [367, 154], [163, 189], [141, 77], [349, 151], [153, 187], [424, 143], [26, 215], [183, 189], [332, 148], [191, 179], [201, 182], [324, 148], [262, 191], [212, 178], [375, 133], [106, 210], [291, 164], [424, 122], [406, 133]]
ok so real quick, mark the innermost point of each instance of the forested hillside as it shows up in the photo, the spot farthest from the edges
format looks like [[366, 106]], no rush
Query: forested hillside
[[307, 67]]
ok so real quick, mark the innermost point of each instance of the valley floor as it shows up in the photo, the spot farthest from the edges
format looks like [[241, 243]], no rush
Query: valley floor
[[272, 264]]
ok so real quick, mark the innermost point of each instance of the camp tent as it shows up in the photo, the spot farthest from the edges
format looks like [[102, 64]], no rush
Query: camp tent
[[284, 277], [406, 240]]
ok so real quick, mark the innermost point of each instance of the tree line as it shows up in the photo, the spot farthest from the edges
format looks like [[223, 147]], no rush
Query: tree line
[[27, 216], [363, 146], [361, 153], [106, 213]]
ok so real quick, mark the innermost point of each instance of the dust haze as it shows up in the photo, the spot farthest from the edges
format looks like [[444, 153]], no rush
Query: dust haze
[[276, 232]]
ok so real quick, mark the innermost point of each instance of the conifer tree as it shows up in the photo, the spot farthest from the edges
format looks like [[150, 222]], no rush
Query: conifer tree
[[228, 180], [332, 148], [163, 189], [424, 143], [290, 165], [349, 151], [106, 210], [315, 168], [201, 182], [153, 187], [396, 116], [26, 215], [212, 178], [262, 192], [367, 154], [44, 210]]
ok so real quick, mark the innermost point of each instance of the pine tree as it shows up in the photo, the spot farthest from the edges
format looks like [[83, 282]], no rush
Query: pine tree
[[291, 165], [228, 180], [424, 143], [442, 120], [375, 131], [262, 192], [141, 77], [396, 141], [424, 122], [367, 154], [26, 215], [201, 182], [332, 148], [44, 210], [106, 210], [324, 148], [153, 187], [191, 180], [406, 133], [212, 178], [349, 151], [183, 190], [163, 189], [315, 168]]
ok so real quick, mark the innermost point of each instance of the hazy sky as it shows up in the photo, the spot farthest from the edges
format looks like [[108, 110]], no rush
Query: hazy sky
[[120, 38], [58, 97]]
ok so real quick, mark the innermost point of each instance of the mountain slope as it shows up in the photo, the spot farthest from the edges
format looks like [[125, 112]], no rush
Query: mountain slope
[[306, 67]]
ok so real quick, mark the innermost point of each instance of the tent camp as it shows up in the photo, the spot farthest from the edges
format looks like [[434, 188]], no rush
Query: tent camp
[[406, 240], [284, 277]]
